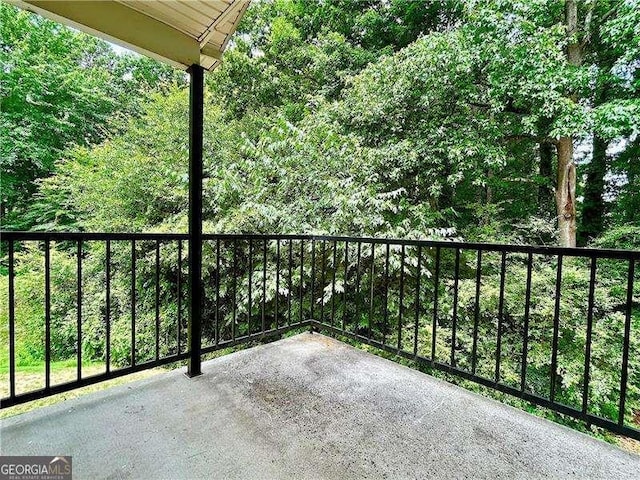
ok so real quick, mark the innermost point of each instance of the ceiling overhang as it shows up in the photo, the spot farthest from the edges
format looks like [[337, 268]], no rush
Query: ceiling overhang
[[180, 33]]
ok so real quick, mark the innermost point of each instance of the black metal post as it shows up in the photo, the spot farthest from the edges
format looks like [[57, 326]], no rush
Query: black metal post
[[196, 117]]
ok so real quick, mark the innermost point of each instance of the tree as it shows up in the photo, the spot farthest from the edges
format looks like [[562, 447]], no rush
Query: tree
[[566, 179], [612, 50], [48, 97], [468, 127], [58, 88], [565, 71], [290, 55]]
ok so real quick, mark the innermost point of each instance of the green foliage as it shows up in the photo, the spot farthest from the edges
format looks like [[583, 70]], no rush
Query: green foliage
[[308, 115], [608, 321], [59, 88], [29, 306], [138, 179], [49, 97], [624, 237]]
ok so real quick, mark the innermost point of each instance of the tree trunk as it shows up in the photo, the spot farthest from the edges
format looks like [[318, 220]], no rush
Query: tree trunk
[[566, 179], [566, 193], [574, 50], [592, 218]]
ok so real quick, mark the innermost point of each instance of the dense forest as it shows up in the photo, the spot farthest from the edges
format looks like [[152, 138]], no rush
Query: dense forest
[[489, 121]]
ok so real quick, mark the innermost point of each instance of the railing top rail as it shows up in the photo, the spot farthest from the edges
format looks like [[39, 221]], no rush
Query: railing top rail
[[451, 244], [89, 236]]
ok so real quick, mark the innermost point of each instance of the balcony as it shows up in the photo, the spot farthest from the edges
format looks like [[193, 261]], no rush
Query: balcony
[[307, 406], [530, 323], [445, 306]]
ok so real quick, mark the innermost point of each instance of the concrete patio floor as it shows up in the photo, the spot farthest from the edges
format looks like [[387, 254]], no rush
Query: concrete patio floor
[[305, 407]]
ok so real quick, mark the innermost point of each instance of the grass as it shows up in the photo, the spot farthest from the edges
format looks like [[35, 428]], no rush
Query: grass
[[32, 377]]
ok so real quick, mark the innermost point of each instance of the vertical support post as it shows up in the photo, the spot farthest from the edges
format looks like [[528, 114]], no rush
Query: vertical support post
[[196, 118]]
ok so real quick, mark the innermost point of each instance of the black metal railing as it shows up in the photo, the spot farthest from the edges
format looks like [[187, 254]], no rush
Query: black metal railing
[[556, 327], [74, 248]]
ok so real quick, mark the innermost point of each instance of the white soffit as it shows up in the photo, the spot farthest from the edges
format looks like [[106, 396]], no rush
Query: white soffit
[[178, 32]]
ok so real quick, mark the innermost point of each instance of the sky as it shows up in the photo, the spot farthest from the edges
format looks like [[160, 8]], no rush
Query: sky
[[120, 50]]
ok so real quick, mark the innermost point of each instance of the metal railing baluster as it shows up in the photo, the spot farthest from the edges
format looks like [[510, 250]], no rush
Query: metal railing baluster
[[356, 299], [216, 329], [503, 265], [344, 285], [587, 353], [79, 306], [264, 284], [12, 321], [250, 305], [416, 326], [157, 299], [290, 292], [626, 342], [47, 313], [454, 324], [371, 289], [385, 324], [107, 326], [277, 293], [323, 279], [301, 280], [436, 286], [525, 335], [401, 297], [179, 300], [312, 280], [476, 313], [133, 303], [556, 328], [333, 283], [234, 316]]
